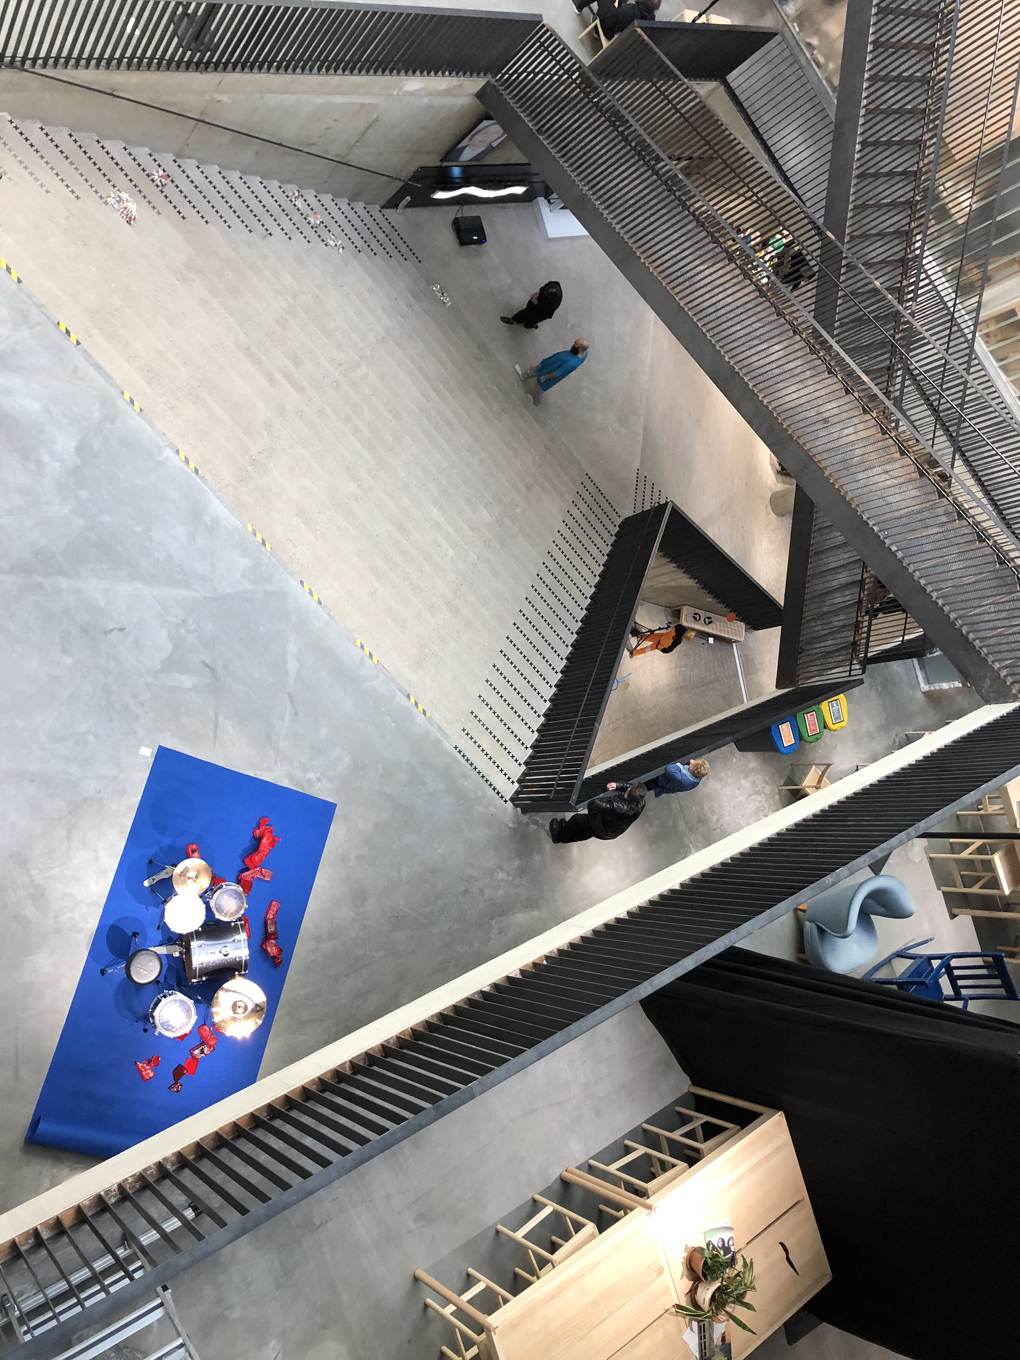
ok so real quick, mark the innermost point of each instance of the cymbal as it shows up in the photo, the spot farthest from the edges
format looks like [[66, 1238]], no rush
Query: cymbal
[[192, 875], [239, 1007]]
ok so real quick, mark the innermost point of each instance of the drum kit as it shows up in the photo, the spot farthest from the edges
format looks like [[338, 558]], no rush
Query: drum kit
[[207, 948]]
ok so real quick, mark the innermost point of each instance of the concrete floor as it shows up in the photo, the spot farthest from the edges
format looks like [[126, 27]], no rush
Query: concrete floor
[[639, 404], [120, 631], [139, 611]]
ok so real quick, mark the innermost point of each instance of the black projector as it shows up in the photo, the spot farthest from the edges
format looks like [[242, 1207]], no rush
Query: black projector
[[470, 231]]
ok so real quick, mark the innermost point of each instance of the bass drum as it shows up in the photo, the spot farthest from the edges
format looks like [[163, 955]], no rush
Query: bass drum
[[218, 947]]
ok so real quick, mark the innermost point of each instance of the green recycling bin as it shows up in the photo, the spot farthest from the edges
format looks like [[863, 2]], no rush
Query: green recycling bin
[[811, 724]]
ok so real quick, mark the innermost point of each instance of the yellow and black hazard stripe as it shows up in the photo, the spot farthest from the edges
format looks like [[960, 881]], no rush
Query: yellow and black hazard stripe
[[259, 539], [8, 270], [66, 330], [131, 402]]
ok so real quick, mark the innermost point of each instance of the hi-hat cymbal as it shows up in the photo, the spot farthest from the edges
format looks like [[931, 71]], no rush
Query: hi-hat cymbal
[[192, 874], [239, 1007]]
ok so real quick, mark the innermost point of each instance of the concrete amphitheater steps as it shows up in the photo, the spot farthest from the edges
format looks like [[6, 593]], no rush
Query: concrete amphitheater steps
[[327, 394]]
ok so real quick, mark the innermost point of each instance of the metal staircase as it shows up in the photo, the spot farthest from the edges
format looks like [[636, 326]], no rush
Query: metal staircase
[[101, 1243], [257, 35], [660, 182], [909, 70], [923, 126]]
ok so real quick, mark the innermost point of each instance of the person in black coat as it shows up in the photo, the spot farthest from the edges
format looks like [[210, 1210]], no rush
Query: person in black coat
[[607, 816], [540, 307]]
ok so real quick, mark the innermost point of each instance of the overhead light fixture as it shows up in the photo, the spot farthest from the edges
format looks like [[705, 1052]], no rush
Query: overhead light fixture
[[480, 193]]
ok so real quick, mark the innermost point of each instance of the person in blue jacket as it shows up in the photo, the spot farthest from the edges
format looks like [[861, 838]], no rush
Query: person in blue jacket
[[554, 369], [679, 778]]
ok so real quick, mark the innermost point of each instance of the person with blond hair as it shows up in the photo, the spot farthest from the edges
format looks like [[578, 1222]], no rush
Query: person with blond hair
[[678, 778], [665, 640]]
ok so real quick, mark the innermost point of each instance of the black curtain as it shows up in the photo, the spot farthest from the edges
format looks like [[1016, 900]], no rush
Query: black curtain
[[906, 1119]]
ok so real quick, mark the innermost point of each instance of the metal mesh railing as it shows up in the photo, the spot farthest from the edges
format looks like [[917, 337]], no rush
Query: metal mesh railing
[[221, 35], [665, 173]]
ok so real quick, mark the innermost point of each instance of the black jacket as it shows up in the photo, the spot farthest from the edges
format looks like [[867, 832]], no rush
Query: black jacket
[[549, 298], [611, 813], [614, 21]]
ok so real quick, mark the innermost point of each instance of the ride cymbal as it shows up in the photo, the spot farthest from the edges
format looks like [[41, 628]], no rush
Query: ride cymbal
[[239, 1007]]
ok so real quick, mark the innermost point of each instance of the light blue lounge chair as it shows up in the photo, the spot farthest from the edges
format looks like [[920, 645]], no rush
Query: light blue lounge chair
[[839, 933]]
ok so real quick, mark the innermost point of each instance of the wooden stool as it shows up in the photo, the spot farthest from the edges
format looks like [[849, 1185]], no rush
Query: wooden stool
[[995, 871], [1002, 803], [471, 1345], [664, 1170], [542, 1261], [812, 782], [689, 1137], [598, 29]]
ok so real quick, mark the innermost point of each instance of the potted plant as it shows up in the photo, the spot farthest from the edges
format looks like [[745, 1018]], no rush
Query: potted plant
[[710, 1262], [722, 1287]]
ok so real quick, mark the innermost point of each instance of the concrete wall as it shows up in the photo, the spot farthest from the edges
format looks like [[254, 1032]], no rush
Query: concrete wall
[[387, 123]]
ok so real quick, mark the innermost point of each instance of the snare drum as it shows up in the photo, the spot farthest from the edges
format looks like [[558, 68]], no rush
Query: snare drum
[[173, 1014], [228, 902], [218, 947]]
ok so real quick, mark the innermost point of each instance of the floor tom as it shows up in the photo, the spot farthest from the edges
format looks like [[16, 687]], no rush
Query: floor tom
[[173, 1014]]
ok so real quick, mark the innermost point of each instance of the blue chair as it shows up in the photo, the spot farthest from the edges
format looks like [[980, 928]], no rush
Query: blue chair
[[974, 975], [839, 933]]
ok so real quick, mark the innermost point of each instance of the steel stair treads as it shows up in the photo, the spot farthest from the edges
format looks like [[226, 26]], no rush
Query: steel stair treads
[[109, 1250], [501, 727], [986, 441], [789, 104], [596, 142]]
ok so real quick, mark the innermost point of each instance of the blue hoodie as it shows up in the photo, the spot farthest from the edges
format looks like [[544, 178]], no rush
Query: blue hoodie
[[676, 779]]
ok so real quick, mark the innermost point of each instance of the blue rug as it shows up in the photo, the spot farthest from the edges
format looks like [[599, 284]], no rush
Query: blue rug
[[93, 1099]]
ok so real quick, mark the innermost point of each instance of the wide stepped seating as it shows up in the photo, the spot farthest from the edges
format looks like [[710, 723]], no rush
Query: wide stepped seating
[[289, 345]]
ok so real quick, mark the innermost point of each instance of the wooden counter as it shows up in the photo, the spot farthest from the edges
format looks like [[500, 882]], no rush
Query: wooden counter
[[614, 1299]]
